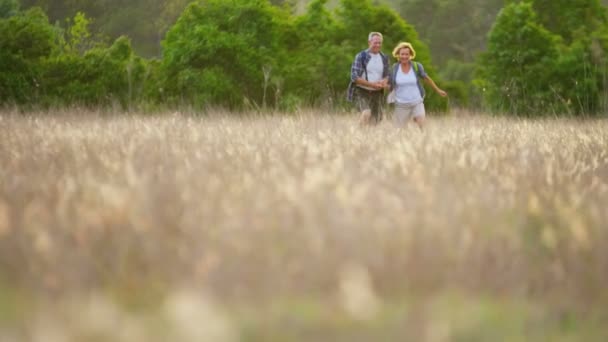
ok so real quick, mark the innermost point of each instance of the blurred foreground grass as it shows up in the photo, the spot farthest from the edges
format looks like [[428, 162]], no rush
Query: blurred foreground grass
[[301, 228]]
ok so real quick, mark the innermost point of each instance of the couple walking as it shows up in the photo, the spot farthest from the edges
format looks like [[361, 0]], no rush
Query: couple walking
[[371, 74]]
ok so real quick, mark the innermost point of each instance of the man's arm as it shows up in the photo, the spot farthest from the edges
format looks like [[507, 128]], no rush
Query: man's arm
[[356, 71]]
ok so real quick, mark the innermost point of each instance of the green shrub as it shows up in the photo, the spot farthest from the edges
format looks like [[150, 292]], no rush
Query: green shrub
[[531, 70], [102, 76], [216, 52], [25, 40], [8, 8]]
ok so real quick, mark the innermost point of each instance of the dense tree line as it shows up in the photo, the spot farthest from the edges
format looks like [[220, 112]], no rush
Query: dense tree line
[[530, 56], [524, 57], [145, 22], [44, 64], [547, 57], [236, 54]]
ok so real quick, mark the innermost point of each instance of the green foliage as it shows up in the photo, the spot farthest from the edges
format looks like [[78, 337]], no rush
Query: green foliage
[[8, 8], [102, 76], [581, 68], [570, 19], [459, 93], [530, 70], [28, 35], [460, 83], [138, 19], [517, 66], [25, 40], [208, 59], [359, 17], [217, 51], [170, 11], [234, 54], [598, 53], [318, 66], [78, 35], [455, 29], [46, 65]]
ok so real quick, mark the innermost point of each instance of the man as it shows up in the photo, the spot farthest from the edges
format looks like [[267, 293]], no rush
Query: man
[[369, 78]]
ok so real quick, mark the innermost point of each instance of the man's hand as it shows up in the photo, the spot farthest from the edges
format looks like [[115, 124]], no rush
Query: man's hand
[[379, 84], [384, 83]]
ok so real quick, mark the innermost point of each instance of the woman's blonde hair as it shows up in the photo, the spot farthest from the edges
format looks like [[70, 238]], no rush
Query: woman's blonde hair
[[404, 45]]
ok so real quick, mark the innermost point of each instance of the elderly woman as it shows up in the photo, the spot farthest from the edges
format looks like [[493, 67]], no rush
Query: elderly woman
[[407, 90]]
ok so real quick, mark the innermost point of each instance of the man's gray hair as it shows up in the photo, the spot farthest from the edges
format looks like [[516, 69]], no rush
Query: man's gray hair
[[372, 34]]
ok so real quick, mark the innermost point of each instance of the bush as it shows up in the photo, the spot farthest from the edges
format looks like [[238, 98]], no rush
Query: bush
[[216, 53], [25, 40], [8, 8], [529, 70], [100, 77], [515, 71]]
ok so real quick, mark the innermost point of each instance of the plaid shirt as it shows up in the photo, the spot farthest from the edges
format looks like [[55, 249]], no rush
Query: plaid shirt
[[358, 69]]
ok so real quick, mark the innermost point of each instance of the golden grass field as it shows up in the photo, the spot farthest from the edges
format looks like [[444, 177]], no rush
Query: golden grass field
[[301, 227]]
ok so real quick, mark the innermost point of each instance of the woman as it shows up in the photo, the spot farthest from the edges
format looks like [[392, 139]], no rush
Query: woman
[[406, 87]]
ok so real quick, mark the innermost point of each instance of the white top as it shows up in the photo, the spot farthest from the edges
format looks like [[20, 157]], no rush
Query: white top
[[406, 90], [375, 69]]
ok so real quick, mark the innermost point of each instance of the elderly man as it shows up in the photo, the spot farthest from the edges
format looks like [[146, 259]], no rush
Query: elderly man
[[369, 78]]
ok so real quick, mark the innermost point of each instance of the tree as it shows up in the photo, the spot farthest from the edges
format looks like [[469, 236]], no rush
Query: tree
[[455, 29], [581, 72], [217, 51], [8, 8], [317, 65], [234, 53], [114, 18], [529, 69], [25, 40], [516, 70], [42, 67], [77, 36], [100, 77], [570, 19]]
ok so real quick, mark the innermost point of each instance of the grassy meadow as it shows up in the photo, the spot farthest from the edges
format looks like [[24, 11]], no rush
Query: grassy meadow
[[301, 227]]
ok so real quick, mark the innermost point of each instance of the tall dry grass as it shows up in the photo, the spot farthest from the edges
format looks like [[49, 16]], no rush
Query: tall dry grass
[[302, 227]]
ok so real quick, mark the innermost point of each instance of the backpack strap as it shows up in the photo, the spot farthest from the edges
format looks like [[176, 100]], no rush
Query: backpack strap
[[385, 62], [418, 78], [416, 70], [393, 78]]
